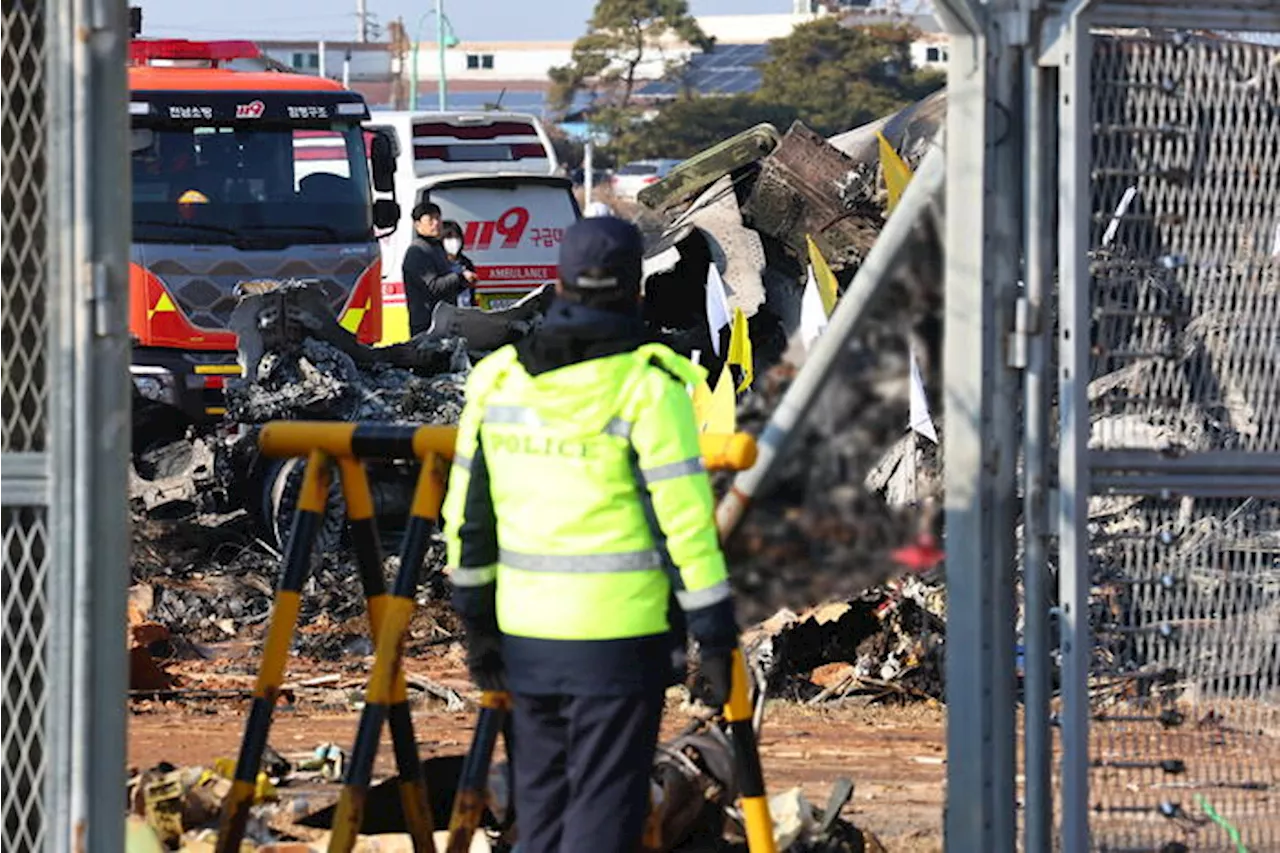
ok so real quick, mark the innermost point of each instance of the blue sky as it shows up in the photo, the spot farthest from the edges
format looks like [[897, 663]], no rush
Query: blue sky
[[473, 20]]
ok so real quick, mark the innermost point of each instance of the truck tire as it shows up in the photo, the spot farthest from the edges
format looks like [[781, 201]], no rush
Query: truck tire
[[281, 486]]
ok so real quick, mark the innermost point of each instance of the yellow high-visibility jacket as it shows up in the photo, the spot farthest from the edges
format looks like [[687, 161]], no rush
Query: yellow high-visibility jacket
[[580, 493]]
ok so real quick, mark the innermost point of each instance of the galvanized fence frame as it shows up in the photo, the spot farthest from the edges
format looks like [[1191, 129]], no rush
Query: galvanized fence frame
[[1135, 776], [65, 422], [1018, 167]]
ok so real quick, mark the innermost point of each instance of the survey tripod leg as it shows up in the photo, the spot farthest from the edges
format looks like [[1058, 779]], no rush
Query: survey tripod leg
[[380, 695], [363, 529], [275, 651]]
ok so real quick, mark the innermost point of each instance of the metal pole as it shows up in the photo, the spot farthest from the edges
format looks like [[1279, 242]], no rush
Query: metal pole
[[894, 245], [413, 71], [588, 166], [442, 90], [323, 66], [983, 237], [362, 18], [1033, 323], [346, 70], [1073, 428], [97, 376]]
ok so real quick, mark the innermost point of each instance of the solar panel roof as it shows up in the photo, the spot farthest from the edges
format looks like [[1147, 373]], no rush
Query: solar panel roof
[[728, 69]]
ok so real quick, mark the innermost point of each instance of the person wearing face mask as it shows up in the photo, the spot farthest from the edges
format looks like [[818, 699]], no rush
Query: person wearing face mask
[[429, 276], [451, 240]]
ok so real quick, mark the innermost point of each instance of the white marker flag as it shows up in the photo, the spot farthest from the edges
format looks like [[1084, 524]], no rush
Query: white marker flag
[[813, 316], [718, 315], [921, 420]]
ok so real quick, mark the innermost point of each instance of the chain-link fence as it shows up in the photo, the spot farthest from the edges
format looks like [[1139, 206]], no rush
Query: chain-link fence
[[25, 387], [1184, 400]]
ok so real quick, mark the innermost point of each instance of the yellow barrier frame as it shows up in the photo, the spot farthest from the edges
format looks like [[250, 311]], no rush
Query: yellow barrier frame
[[323, 444]]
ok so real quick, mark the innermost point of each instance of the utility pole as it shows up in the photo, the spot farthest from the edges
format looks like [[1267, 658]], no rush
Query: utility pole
[[442, 89], [399, 47], [362, 21]]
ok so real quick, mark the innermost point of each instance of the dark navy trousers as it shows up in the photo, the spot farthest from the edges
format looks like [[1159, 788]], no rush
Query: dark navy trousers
[[581, 766]]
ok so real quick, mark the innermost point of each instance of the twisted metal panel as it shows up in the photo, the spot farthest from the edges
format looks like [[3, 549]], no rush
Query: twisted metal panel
[[1185, 342]]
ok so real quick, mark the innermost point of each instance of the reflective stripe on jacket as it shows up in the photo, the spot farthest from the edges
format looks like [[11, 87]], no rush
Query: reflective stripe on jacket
[[583, 464]]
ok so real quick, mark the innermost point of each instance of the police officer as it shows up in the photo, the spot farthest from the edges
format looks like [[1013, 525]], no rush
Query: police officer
[[577, 503]]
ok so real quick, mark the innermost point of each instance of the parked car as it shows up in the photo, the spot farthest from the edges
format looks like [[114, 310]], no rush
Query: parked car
[[599, 177], [633, 177]]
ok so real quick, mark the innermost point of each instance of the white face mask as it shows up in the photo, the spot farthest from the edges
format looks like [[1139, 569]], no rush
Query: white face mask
[[452, 245]]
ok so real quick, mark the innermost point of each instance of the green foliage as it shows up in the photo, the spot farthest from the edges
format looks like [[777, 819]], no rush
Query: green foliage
[[831, 77], [840, 77], [620, 36], [690, 125]]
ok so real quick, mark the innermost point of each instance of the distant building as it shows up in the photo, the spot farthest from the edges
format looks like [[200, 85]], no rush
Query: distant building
[[928, 50], [480, 72], [514, 74], [371, 68], [732, 68]]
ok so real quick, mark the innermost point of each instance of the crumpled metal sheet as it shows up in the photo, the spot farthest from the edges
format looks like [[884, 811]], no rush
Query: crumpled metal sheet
[[910, 131], [735, 248], [810, 188]]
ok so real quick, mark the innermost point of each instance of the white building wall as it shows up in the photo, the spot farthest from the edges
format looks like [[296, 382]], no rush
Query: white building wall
[[929, 53], [368, 62], [532, 60], [506, 61]]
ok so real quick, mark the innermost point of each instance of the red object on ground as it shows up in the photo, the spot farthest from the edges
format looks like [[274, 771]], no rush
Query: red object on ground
[[919, 556]]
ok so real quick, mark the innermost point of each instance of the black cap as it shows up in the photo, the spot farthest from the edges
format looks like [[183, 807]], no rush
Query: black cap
[[600, 254]]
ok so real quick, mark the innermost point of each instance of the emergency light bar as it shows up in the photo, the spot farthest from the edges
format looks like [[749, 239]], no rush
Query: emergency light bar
[[142, 51]]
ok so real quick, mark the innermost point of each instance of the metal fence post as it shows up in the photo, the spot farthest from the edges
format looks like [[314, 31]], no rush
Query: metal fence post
[[1074, 212], [95, 293], [983, 245], [1036, 325]]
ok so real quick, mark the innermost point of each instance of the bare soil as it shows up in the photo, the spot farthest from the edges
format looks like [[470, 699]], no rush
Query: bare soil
[[894, 754]]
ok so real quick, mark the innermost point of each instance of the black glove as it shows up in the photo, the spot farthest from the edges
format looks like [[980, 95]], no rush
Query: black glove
[[484, 661], [717, 673]]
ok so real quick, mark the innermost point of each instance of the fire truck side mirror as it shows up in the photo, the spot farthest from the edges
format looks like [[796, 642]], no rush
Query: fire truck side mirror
[[386, 214], [383, 157]]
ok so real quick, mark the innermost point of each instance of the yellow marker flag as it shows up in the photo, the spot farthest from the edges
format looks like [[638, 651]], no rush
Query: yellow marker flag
[[722, 413], [822, 274], [897, 174], [740, 349], [702, 403]]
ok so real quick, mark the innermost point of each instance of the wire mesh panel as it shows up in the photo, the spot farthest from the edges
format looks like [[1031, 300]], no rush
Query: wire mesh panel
[[1185, 343], [24, 257], [25, 303], [25, 677]]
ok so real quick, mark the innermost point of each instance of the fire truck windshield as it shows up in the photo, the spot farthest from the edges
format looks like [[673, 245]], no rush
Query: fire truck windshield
[[272, 183]]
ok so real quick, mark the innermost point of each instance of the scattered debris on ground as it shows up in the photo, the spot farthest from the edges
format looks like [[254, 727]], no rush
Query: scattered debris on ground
[[207, 546]]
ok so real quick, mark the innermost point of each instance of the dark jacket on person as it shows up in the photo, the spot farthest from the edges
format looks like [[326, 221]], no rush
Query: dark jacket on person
[[429, 279]]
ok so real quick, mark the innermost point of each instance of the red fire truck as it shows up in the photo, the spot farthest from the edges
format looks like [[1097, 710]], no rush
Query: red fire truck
[[240, 175]]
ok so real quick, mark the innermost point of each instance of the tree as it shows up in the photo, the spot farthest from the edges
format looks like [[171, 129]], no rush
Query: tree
[[689, 125], [837, 77], [621, 36]]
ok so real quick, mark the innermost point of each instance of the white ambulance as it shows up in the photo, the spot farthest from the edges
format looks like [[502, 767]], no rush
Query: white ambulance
[[496, 175]]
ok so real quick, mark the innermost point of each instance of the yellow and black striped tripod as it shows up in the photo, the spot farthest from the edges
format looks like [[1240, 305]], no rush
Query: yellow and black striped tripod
[[323, 445]]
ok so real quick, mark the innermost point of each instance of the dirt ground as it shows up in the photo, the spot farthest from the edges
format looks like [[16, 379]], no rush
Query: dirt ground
[[894, 755]]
